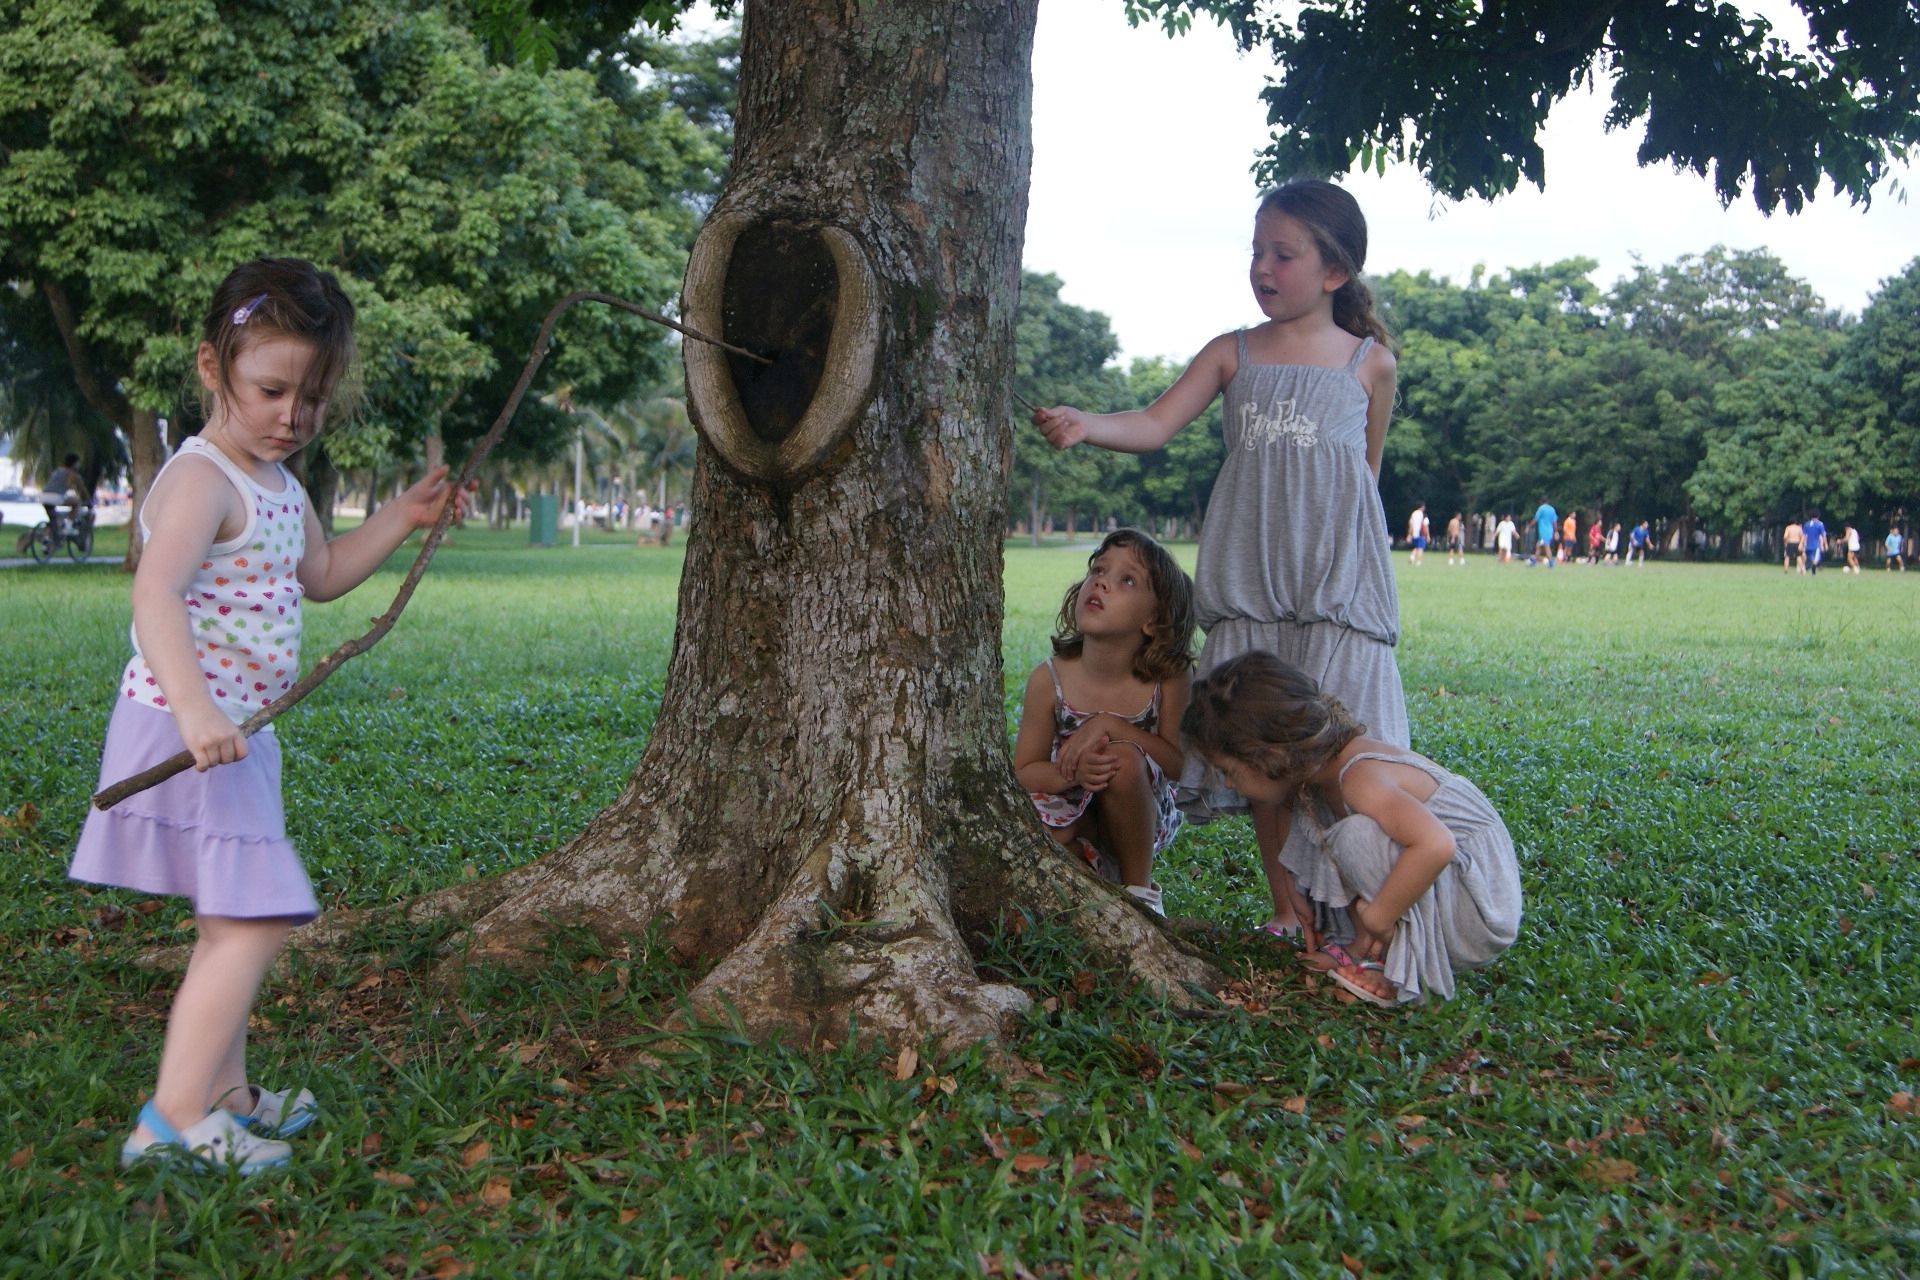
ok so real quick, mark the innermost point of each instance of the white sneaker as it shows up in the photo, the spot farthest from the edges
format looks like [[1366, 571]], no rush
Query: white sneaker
[[1148, 897], [219, 1141], [280, 1115]]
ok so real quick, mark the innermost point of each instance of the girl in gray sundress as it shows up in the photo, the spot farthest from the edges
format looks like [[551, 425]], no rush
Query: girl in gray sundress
[[1294, 551], [1098, 747], [1414, 855]]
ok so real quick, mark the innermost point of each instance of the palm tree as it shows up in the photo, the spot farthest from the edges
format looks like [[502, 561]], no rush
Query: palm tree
[[646, 443]]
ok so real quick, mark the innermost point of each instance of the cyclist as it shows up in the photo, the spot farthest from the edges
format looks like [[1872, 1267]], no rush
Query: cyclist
[[64, 489]]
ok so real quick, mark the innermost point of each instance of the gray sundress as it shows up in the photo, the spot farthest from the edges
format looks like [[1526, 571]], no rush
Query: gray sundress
[[1294, 556], [1468, 916]]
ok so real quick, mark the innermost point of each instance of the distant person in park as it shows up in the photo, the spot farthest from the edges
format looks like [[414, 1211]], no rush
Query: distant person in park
[[1596, 534], [232, 548], [1504, 534], [1793, 544], [1417, 527], [1294, 555], [1637, 543], [66, 487], [1569, 543], [1544, 520], [1456, 539], [1098, 749], [1896, 544], [1815, 531], [1412, 855], [1613, 544], [1850, 539]]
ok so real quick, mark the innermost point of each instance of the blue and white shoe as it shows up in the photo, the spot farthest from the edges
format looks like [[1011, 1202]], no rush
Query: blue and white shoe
[[280, 1115], [218, 1142]]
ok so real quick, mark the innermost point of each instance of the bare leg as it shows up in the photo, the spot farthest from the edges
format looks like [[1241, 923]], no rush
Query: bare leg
[[1129, 812], [205, 1052], [1271, 824]]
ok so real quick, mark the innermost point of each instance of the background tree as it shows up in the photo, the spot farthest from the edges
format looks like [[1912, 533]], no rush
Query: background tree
[[148, 149], [42, 413], [1061, 355], [1880, 379]]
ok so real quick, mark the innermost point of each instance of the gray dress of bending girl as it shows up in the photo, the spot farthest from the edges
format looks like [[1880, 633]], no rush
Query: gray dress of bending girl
[[1294, 553], [1467, 916]]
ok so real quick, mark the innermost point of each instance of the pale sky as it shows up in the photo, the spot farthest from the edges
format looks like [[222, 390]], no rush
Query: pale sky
[[1143, 202]]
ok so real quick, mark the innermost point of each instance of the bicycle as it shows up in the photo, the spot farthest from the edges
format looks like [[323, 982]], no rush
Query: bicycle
[[71, 528]]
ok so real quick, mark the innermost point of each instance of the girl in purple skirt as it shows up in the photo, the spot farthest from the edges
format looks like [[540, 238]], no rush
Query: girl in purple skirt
[[232, 547]]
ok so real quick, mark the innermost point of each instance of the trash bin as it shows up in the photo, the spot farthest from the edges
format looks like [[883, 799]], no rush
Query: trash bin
[[543, 519]]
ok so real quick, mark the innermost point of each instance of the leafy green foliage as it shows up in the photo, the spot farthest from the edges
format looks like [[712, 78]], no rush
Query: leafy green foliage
[[1718, 385], [1060, 357], [1698, 1059], [148, 149], [1462, 90]]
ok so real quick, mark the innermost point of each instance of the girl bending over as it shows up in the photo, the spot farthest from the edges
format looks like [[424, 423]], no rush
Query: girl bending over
[[1416, 855]]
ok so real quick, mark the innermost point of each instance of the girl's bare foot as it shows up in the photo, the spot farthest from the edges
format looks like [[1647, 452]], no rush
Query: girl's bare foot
[[1368, 983]]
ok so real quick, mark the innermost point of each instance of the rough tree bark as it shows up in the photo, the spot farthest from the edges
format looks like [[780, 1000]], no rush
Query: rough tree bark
[[826, 804]]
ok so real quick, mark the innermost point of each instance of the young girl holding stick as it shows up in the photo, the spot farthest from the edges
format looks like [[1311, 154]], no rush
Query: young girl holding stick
[[1415, 854], [1097, 747], [1294, 553], [232, 547]]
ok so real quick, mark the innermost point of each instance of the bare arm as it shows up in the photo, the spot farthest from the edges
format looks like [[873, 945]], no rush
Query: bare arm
[[1033, 745], [1379, 374], [1426, 846], [1144, 430], [1162, 747], [187, 512], [331, 569]]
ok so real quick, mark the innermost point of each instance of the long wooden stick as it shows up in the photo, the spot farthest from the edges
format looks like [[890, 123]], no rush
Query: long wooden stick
[[110, 796]]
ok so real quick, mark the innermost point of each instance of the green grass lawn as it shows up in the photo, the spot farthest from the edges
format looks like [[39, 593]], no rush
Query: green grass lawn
[[1698, 1059]]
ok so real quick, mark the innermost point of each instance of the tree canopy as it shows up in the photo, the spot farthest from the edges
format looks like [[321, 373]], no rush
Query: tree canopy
[[147, 150], [1461, 91]]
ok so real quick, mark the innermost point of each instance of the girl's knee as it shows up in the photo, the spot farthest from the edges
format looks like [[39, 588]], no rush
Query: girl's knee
[[1133, 777]]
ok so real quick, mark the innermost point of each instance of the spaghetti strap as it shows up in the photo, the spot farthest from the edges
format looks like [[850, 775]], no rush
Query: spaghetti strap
[[1359, 354], [1240, 349], [1059, 695], [1421, 763]]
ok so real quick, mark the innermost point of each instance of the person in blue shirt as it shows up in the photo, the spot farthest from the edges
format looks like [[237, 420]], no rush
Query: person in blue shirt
[[1896, 544], [1544, 519], [1816, 532], [1637, 543]]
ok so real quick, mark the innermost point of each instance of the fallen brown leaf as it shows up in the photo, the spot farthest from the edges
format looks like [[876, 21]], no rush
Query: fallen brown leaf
[[392, 1179], [1611, 1171]]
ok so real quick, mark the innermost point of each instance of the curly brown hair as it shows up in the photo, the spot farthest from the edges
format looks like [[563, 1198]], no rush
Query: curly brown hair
[[1168, 650], [1268, 713]]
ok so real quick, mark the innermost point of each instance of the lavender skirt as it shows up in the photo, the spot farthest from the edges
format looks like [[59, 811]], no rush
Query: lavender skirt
[[217, 838]]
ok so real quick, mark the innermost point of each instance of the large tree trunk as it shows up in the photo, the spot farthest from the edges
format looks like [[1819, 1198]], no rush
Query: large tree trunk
[[826, 807]]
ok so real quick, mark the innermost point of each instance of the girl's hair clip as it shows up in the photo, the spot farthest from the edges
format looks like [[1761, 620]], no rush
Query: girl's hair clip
[[244, 312]]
